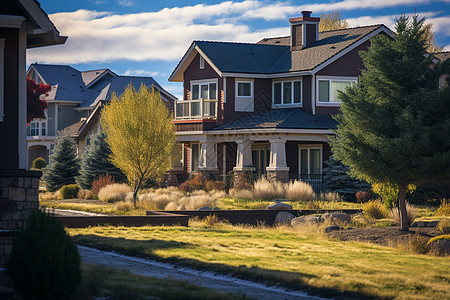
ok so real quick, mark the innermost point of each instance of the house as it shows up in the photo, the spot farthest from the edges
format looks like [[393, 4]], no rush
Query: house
[[23, 25], [266, 107], [74, 103]]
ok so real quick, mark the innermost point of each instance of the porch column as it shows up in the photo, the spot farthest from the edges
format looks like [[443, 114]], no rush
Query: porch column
[[208, 160], [243, 155], [278, 168]]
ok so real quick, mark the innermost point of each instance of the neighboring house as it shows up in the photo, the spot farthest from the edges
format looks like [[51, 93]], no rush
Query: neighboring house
[[74, 103], [266, 107], [23, 25], [441, 57]]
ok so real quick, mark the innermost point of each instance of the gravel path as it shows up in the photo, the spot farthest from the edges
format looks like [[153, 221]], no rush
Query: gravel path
[[206, 279], [70, 213]]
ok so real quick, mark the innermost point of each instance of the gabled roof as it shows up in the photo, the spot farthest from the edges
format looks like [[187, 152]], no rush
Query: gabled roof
[[89, 87], [442, 56], [287, 118], [272, 56]]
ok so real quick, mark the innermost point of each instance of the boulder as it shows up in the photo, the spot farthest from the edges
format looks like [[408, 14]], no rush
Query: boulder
[[336, 217], [332, 228], [283, 218], [309, 219], [216, 208], [204, 208], [279, 206], [440, 247]]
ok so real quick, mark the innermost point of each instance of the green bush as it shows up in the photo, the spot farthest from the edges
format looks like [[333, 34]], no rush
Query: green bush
[[39, 163], [69, 191], [375, 210], [44, 262]]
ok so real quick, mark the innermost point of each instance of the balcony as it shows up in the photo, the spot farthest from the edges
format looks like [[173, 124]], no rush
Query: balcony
[[196, 109]]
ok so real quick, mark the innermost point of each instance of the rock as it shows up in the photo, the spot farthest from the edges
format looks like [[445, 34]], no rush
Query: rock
[[441, 247], [309, 219], [204, 208], [425, 223], [332, 228], [336, 217], [279, 206], [283, 218], [216, 208]]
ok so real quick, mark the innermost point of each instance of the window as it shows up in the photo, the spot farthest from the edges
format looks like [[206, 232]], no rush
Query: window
[[202, 62], [287, 92], [195, 153], [244, 89], [205, 91], [310, 162], [34, 128], [328, 89], [43, 129]]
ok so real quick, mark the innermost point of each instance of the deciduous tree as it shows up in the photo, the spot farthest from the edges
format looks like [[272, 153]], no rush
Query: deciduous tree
[[332, 21], [35, 105], [395, 123], [141, 135]]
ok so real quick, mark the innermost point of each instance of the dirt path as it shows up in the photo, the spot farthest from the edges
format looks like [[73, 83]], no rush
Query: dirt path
[[69, 212], [206, 279]]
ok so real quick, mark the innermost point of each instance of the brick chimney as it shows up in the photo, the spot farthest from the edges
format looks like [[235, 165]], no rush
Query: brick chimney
[[304, 30]]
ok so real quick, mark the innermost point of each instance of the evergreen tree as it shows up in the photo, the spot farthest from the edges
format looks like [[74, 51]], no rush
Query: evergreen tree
[[96, 162], [395, 124], [337, 179], [63, 164]]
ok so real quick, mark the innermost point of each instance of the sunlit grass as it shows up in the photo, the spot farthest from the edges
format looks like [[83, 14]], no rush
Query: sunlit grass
[[289, 256]]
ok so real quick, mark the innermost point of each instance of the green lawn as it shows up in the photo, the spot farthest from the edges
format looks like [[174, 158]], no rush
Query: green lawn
[[283, 256]]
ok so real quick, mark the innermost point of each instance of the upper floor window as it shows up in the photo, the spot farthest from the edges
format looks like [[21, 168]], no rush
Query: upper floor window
[[34, 128], [38, 127], [328, 88], [204, 90], [244, 88], [202, 62], [287, 92]]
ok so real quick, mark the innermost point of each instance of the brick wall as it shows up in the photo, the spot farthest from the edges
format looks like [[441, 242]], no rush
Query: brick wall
[[18, 196]]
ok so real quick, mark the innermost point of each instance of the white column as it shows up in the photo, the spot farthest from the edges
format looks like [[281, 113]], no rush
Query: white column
[[208, 156], [243, 155], [277, 156], [22, 117]]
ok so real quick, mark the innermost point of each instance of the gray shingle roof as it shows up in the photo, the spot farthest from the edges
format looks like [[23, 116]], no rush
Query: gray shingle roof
[[273, 55], [287, 118], [442, 56]]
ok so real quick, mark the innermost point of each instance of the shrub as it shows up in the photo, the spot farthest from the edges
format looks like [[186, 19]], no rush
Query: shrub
[[374, 210], [154, 201], [268, 190], [299, 191], [49, 196], [196, 183], [211, 185], [330, 197], [114, 192], [419, 244], [44, 262], [124, 205], [85, 194], [39, 163], [411, 212], [444, 209], [211, 220], [364, 196], [69, 191], [240, 194], [444, 225], [103, 180]]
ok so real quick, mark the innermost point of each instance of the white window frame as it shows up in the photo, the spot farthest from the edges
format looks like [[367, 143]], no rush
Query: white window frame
[[204, 82], [40, 123], [309, 147], [2, 79], [202, 62], [247, 82], [291, 104], [329, 79]]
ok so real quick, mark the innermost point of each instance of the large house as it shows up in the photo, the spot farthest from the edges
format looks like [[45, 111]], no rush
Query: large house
[[74, 103], [266, 107]]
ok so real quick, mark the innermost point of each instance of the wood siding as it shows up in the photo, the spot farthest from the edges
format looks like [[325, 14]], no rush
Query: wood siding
[[9, 131]]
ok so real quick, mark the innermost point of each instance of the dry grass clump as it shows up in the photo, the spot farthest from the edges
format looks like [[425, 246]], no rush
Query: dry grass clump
[[153, 201], [264, 189], [444, 209], [299, 191], [375, 209], [330, 197], [195, 202], [313, 205], [85, 194], [49, 196], [444, 225], [240, 194], [124, 205], [411, 213], [114, 192]]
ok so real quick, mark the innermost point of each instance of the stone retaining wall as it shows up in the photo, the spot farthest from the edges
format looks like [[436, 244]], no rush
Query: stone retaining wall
[[18, 197]]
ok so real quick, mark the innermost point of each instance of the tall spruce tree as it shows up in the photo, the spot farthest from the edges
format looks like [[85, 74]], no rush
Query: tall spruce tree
[[337, 179], [63, 166], [395, 124], [96, 162]]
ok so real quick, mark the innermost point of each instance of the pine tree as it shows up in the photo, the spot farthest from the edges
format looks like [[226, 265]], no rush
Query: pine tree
[[395, 124], [96, 162], [337, 179], [63, 166]]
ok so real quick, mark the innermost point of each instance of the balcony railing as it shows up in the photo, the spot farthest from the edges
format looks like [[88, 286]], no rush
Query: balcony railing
[[196, 109]]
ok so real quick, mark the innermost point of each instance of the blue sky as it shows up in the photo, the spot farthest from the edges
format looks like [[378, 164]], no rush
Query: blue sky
[[148, 38]]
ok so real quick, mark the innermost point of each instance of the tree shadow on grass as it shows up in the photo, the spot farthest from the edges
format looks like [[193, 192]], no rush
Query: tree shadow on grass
[[146, 249]]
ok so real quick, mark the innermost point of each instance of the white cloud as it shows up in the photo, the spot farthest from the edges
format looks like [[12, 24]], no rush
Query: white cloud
[[126, 2], [447, 48], [131, 72], [98, 37]]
